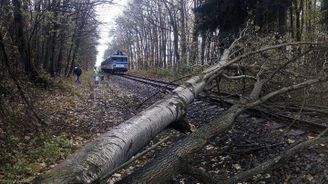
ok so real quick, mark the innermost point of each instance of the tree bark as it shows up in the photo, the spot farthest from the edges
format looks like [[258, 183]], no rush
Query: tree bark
[[298, 21], [22, 45], [116, 146], [167, 166], [174, 25], [113, 148], [291, 21], [183, 31]]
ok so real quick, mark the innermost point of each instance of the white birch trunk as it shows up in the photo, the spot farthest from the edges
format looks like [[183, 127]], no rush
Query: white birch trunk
[[113, 148], [109, 151]]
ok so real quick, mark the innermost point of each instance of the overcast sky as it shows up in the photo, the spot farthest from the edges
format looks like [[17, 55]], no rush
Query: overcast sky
[[106, 14]]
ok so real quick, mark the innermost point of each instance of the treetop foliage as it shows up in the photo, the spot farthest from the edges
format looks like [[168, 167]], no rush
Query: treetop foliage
[[231, 15]]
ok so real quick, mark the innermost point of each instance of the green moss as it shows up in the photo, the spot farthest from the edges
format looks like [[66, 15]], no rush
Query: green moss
[[86, 75], [42, 151], [53, 149], [19, 168]]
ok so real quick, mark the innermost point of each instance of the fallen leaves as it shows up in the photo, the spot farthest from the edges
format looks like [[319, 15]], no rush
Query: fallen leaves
[[290, 141], [309, 177], [79, 113], [236, 166]]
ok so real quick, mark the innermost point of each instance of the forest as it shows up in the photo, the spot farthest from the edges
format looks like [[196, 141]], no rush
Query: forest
[[165, 34], [249, 101]]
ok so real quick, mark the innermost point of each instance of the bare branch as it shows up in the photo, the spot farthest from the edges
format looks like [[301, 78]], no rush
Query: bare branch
[[238, 77], [287, 63], [268, 165], [286, 89], [213, 72]]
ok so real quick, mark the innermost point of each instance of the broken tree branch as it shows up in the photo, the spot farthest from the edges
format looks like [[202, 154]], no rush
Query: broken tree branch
[[167, 166], [286, 89], [213, 72], [113, 148], [238, 77], [268, 165], [287, 63]]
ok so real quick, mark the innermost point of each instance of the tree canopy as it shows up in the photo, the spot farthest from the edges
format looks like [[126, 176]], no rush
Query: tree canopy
[[231, 15]]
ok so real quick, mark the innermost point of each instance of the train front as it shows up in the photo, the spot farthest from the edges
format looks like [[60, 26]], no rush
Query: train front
[[116, 63], [119, 62]]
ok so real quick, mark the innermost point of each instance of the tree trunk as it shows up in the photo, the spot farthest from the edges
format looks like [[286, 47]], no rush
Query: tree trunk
[[291, 14], [173, 22], [101, 156], [202, 55], [77, 41], [53, 61], [113, 148], [22, 45], [298, 21], [282, 20], [183, 31], [324, 11], [166, 166]]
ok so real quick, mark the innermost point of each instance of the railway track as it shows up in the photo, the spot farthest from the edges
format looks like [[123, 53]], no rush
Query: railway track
[[156, 83], [228, 100], [252, 138]]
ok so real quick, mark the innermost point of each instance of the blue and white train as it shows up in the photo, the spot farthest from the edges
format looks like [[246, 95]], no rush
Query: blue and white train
[[115, 63]]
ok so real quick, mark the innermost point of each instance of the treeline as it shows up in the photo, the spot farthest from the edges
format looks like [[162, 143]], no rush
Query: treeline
[[173, 33], [47, 36], [154, 33], [296, 18]]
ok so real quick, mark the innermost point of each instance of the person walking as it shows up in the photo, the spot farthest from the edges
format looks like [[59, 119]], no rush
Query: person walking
[[77, 72], [96, 75]]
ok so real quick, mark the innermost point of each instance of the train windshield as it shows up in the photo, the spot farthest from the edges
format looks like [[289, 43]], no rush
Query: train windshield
[[120, 59]]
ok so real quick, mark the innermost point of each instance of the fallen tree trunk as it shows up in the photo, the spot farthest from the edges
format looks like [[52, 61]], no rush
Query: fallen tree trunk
[[113, 148], [167, 166]]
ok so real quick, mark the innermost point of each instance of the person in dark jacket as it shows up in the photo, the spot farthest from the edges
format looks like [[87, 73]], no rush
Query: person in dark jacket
[[77, 72]]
